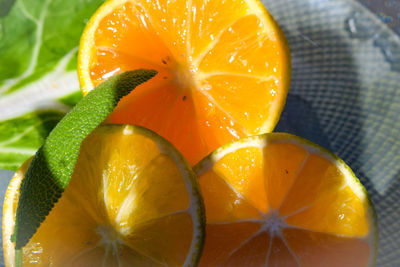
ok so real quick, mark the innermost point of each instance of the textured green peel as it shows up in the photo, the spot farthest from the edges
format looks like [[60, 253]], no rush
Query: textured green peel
[[53, 164]]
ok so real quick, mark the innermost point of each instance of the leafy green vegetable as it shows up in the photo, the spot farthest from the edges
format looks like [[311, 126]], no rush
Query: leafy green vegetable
[[72, 99], [38, 42], [19, 142], [51, 168]]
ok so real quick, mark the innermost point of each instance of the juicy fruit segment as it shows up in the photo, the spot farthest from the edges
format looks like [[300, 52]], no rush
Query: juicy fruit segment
[[132, 200], [223, 68], [332, 250], [278, 200]]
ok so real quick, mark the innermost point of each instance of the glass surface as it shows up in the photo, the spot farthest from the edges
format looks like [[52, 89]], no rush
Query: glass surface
[[387, 11]]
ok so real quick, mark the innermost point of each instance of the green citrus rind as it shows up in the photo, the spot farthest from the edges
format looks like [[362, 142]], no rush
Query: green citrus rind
[[195, 209]]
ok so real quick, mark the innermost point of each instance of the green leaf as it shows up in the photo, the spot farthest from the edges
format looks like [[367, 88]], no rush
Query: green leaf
[[52, 166], [72, 99], [38, 42], [21, 137]]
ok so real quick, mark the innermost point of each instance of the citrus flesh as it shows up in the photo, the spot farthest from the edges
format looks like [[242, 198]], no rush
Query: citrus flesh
[[132, 201], [224, 68], [279, 200]]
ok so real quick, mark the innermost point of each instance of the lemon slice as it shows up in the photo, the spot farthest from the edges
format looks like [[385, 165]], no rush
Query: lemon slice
[[132, 201]]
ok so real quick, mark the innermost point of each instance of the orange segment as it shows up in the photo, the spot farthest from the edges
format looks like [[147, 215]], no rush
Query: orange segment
[[332, 250], [341, 213], [306, 182], [132, 199], [229, 206], [147, 198], [166, 241], [157, 99], [215, 125], [283, 161], [221, 244], [113, 63], [134, 258], [210, 19], [324, 203], [231, 91], [280, 254], [308, 203], [248, 179], [254, 52], [172, 21], [251, 252], [124, 26], [224, 68]]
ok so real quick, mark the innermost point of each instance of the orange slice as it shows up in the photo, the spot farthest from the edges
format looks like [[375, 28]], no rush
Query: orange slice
[[279, 200], [224, 68], [132, 201]]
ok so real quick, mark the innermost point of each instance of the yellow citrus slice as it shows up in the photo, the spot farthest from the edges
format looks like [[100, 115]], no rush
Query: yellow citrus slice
[[224, 68], [132, 201], [279, 200]]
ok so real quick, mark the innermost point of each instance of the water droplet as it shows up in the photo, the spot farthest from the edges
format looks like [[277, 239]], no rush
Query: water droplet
[[192, 69], [390, 47], [142, 18], [207, 87], [360, 26]]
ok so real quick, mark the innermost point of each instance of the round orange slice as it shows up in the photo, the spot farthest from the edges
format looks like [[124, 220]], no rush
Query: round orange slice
[[224, 68], [279, 200], [133, 200]]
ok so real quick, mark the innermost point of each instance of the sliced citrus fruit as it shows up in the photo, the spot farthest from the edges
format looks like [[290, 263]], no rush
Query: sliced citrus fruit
[[224, 68], [279, 200], [132, 201]]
